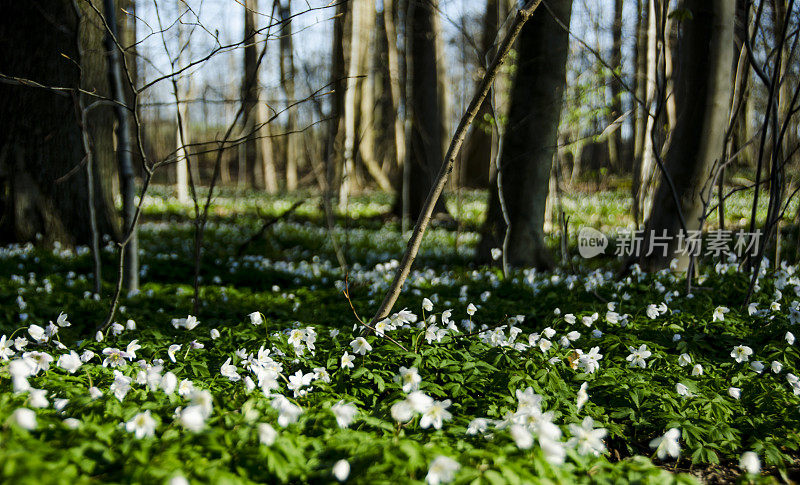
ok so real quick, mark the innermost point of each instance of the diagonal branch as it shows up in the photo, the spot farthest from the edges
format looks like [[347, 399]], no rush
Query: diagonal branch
[[460, 134]]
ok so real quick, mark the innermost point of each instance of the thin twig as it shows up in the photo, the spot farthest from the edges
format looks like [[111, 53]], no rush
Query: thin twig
[[346, 293]]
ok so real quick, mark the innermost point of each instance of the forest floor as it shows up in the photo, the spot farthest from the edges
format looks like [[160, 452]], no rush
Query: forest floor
[[575, 376]]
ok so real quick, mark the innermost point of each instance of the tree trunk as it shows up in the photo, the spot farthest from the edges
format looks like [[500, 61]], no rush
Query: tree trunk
[[124, 148], [249, 95], [443, 85], [529, 142], [394, 84], [335, 142], [182, 139], [639, 87], [614, 139], [670, 95], [126, 20], [424, 151], [704, 84], [43, 188], [784, 93], [645, 171], [476, 157], [741, 131], [287, 81], [268, 173], [354, 69], [360, 100]]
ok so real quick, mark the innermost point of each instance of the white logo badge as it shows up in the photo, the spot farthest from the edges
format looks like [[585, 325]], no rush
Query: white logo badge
[[591, 242]]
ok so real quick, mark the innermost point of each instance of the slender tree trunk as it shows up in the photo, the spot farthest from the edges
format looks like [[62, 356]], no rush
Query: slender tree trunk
[[43, 186], [424, 150], [124, 148], [670, 94], [268, 172], [741, 131], [366, 123], [639, 87], [614, 138], [442, 83], [476, 157], [181, 139], [646, 165], [394, 83], [225, 164], [354, 68], [335, 141], [529, 143], [779, 8], [704, 83], [249, 96], [287, 81], [126, 20]]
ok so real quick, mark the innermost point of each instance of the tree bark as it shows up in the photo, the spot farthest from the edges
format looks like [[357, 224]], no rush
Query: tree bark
[[257, 148], [741, 131], [368, 121], [704, 84], [395, 90], [424, 105], [182, 113], [359, 144], [335, 142], [639, 87], [645, 171], [614, 138], [476, 158], [43, 189], [529, 142], [124, 148], [670, 95], [287, 81], [351, 101]]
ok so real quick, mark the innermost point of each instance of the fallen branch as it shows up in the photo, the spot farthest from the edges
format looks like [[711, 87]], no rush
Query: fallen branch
[[266, 226], [460, 134]]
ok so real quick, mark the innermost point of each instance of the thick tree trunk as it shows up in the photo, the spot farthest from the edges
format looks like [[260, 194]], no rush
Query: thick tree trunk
[[529, 143], [704, 84], [424, 152], [476, 157], [43, 188]]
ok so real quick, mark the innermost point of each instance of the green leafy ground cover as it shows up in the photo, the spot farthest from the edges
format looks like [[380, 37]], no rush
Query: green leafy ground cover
[[565, 377]]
